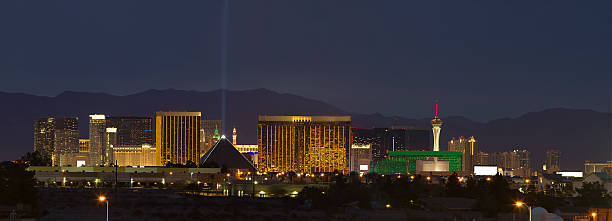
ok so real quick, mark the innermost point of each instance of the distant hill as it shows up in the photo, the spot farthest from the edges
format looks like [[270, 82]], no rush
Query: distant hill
[[580, 134]]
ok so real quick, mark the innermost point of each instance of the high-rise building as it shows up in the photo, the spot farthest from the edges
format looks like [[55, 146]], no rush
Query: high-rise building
[[209, 134], [44, 134], [132, 131], [126, 135], [361, 156], [482, 158], [110, 142], [381, 140], [523, 162], [417, 138], [503, 159], [412, 138], [56, 136], [468, 147], [516, 160], [436, 127], [97, 147], [308, 144], [553, 158], [177, 136]]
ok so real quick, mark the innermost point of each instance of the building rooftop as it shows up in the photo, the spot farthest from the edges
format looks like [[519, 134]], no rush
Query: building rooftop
[[304, 118], [424, 153], [178, 113]]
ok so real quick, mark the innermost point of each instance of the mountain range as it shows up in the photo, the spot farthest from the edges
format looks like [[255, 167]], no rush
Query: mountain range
[[579, 134]]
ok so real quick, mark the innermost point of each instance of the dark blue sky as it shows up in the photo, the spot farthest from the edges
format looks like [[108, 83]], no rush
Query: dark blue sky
[[482, 59]]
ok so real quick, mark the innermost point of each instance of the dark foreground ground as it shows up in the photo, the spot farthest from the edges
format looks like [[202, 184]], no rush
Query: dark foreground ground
[[153, 204]]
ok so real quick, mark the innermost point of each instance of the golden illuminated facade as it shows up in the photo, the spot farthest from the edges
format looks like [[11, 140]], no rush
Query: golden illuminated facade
[[135, 155], [305, 144], [83, 145], [234, 136], [177, 137]]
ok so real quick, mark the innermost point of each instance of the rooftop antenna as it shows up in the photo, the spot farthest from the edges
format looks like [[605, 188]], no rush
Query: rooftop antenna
[[436, 100]]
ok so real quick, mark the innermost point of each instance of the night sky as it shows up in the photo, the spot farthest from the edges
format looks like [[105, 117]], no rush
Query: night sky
[[482, 59]]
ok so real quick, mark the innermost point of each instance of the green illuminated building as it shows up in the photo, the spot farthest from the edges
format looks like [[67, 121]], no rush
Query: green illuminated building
[[404, 162]]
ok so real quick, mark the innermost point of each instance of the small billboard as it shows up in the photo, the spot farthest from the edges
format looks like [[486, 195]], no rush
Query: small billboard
[[480, 170]]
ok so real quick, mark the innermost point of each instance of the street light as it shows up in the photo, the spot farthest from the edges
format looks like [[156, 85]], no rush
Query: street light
[[254, 183], [102, 199], [520, 204]]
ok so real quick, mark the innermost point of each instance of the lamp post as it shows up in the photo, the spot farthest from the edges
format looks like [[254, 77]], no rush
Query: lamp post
[[254, 182], [103, 199], [520, 204]]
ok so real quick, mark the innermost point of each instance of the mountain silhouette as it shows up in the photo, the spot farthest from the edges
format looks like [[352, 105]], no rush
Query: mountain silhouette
[[579, 134]]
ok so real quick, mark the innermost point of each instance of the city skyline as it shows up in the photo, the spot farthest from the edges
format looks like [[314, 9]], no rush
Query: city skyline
[[305, 110], [237, 118]]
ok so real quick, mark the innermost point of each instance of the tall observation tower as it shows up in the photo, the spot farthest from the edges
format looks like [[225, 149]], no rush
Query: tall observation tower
[[436, 126]]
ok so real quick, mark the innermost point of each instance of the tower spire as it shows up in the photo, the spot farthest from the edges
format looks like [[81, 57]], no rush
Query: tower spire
[[436, 100], [436, 124], [436, 110]]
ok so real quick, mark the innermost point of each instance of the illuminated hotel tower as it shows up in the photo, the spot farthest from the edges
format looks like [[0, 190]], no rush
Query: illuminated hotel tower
[[177, 137], [436, 124], [97, 147], [304, 144]]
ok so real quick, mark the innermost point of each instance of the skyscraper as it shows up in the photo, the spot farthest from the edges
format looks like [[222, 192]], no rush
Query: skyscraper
[[56, 136], [97, 145], [44, 135], [482, 158], [110, 142], [469, 149], [517, 160], [523, 163], [132, 131], [382, 140], [177, 136], [209, 134], [417, 138], [553, 158], [436, 127], [308, 144]]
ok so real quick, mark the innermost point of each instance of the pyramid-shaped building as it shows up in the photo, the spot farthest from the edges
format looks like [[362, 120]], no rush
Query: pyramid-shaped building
[[224, 154]]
